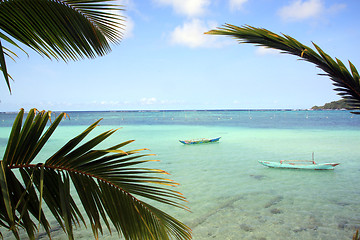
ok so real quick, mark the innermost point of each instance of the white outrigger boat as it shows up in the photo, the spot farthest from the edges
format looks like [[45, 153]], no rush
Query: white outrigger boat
[[300, 164]]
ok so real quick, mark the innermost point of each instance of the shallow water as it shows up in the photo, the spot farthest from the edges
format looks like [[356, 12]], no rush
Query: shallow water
[[232, 196]]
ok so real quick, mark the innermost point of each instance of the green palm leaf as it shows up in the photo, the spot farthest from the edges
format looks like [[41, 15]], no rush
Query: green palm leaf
[[62, 29], [3, 66], [347, 83], [108, 182]]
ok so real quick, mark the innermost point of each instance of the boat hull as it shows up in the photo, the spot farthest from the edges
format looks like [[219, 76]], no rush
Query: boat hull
[[188, 142], [318, 166]]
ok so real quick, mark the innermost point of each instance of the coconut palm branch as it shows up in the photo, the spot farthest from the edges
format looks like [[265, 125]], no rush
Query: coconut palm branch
[[108, 182], [61, 29], [347, 82]]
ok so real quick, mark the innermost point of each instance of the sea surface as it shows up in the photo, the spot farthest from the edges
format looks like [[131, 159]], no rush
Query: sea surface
[[230, 195]]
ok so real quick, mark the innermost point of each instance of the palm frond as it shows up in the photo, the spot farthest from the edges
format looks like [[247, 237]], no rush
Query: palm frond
[[347, 83], [4, 51], [3, 67], [108, 183], [62, 29], [68, 29], [356, 235]]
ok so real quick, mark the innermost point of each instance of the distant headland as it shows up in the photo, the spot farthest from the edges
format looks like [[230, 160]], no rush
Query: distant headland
[[340, 104]]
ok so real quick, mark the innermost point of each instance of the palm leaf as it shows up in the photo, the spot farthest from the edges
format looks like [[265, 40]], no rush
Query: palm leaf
[[347, 83], [108, 183], [62, 29], [4, 51], [3, 67]]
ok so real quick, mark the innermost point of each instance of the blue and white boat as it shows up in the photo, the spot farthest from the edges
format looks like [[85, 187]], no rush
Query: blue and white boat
[[201, 140]]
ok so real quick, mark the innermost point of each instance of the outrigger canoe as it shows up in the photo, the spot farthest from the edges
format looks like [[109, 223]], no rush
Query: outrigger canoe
[[201, 140], [300, 164]]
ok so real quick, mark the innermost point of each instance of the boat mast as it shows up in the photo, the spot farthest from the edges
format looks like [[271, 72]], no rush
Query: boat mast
[[313, 158]]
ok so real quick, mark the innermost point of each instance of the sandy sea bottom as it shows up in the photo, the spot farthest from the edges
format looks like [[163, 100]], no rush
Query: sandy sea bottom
[[232, 196]]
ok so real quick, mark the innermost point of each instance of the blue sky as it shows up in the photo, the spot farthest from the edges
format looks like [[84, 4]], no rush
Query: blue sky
[[166, 62]]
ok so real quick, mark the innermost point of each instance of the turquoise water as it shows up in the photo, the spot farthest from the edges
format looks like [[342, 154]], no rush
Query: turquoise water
[[232, 196]]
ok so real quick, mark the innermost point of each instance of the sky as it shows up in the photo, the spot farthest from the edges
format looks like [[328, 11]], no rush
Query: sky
[[165, 62]]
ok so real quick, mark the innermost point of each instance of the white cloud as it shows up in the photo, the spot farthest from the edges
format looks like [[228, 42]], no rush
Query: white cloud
[[111, 103], [236, 4], [191, 8], [126, 3], [266, 51], [148, 101], [299, 10], [129, 26], [191, 34]]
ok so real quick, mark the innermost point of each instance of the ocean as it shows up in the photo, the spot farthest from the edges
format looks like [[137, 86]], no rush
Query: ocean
[[230, 195]]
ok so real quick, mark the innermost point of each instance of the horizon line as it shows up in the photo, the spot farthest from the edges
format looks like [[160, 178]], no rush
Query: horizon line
[[189, 110]]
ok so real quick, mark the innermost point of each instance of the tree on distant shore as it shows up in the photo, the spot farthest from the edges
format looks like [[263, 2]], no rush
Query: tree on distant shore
[[347, 83], [108, 182], [340, 104]]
